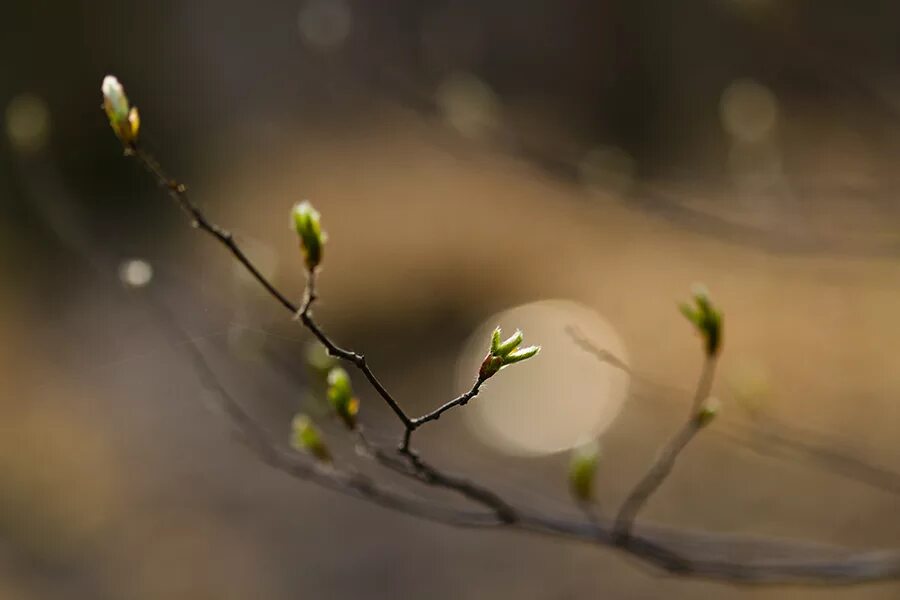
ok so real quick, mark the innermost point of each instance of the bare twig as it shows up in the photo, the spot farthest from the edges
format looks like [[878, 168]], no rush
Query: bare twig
[[683, 553], [419, 470], [271, 453], [769, 437], [727, 558], [179, 193], [661, 469], [358, 360], [434, 415]]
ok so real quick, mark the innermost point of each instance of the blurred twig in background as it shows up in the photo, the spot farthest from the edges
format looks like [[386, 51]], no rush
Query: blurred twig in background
[[684, 552]]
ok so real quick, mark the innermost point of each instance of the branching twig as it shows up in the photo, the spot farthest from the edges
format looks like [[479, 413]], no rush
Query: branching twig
[[358, 360], [666, 461], [419, 470], [769, 437], [199, 220], [179, 193], [436, 414], [683, 553], [680, 552]]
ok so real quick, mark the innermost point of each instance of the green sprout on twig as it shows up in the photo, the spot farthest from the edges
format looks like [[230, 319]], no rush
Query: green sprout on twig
[[305, 220], [504, 353], [305, 436], [123, 118], [340, 397], [706, 318]]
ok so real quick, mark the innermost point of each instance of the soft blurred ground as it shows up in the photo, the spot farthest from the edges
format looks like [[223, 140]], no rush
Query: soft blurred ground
[[120, 479]]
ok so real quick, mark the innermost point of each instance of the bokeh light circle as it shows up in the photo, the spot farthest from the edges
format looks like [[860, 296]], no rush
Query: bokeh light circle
[[555, 401]]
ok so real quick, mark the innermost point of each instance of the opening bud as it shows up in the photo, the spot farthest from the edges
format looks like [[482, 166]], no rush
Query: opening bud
[[706, 318], [305, 220], [123, 118], [503, 353]]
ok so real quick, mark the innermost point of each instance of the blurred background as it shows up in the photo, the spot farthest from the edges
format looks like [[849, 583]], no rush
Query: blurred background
[[534, 164]]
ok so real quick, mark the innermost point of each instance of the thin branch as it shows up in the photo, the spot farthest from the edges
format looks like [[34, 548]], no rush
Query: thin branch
[[434, 415], [179, 193], [601, 354], [421, 471], [664, 464], [678, 552], [460, 401], [358, 360], [768, 437], [683, 553], [270, 453]]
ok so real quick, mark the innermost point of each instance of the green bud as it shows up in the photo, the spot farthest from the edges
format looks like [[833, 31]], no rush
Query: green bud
[[504, 353], [305, 221], [339, 386], [708, 412], [123, 118], [306, 438], [706, 319], [340, 396], [582, 468]]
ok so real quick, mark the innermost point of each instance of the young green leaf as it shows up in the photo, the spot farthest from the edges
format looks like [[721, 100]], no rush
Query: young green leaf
[[509, 345], [495, 341], [520, 355]]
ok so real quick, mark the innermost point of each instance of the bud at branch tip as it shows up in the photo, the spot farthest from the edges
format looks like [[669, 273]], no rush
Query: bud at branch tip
[[123, 118], [305, 221], [503, 353], [705, 317]]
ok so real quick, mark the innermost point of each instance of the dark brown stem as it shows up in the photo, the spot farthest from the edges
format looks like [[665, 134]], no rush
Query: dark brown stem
[[179, 193], [679, 552], [434, 415], [421, 470]]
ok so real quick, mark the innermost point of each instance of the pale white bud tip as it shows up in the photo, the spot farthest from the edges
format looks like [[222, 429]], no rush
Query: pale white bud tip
[[115, 94]]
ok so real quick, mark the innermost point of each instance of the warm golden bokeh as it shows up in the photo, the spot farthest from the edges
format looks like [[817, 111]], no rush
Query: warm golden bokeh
[[542, 166]]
